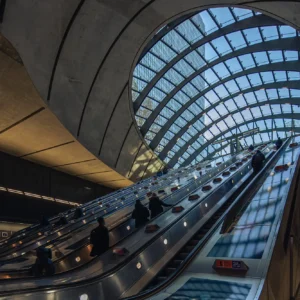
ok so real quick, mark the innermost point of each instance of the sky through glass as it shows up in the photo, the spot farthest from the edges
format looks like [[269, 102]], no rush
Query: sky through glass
[[217, 73]]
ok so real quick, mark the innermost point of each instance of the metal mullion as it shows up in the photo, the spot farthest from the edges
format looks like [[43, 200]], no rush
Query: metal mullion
[[157, 56], [261, 35], [146, 67]]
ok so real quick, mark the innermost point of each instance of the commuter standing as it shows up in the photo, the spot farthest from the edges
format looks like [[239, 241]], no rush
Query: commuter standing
[[140, 214], [78, 213], [258, 161], [251, 148], [279, 143], [43, 264], [99, 238], [156, 205], [44, 221]]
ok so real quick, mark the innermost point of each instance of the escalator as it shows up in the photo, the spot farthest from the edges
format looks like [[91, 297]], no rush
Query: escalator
[[229, 257], [140, 246], [81, 248]]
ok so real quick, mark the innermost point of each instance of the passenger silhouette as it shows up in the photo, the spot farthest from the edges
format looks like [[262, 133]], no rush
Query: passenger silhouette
[[279, 143], [78, 213], [43, 264], [140, 214], [156, 205], [99, 238], [258, 161]]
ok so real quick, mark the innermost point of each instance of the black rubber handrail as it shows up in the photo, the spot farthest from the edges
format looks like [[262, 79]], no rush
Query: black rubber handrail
[[113, 270], [148, 293]]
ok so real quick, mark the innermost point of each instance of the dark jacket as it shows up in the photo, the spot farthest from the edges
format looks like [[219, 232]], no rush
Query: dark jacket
[[156, 206], [78, 213], [99, 238], [258, 161], [62, 221], [251, 148], [279, 143], [140, 214]]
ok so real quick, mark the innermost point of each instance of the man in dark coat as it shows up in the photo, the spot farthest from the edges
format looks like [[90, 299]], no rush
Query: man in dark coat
[[140, 214], [251, 148], [99, 238], [156, 205], [279, 143], [258, 161]]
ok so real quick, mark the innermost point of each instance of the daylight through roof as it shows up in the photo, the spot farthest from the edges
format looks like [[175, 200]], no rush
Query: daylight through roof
[[214, 74]]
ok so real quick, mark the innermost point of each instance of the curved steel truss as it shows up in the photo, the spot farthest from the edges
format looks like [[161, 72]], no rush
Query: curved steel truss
[[212, 74]]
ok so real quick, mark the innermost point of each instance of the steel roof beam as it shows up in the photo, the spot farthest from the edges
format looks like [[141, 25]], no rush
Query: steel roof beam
[[281, 66], [277, 85], [292, 44], [205, 145], [255, 21], [211, 156]]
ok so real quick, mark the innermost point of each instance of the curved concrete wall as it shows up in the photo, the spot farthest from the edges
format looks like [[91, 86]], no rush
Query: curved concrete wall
[[80, 55]]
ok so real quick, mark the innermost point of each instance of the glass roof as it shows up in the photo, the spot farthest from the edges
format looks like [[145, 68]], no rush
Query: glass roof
[[205, 78]]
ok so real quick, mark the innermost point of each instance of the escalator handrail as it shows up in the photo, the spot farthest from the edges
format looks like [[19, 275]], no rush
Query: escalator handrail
[[148, 293], [114, 269]]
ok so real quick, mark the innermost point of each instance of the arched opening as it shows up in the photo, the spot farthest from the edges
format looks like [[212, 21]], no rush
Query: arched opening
[[212, 75]]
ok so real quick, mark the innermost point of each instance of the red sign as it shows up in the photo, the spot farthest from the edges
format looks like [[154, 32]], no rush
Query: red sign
[[233, 265]]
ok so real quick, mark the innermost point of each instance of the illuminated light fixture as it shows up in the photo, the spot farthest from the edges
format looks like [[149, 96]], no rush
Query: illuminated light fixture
[[48, 198], [59, 233], [84, 297], [195, 177], [78, 259], [39, 243], [128, 227], [39, 233], [269, 189], [289, 163], [205, 204], [165, 241], [15, 191], [33, 195], [287, 180], [3, 188], [232, 181], [184, 224], [84, 221], [20, 242], [138, 265], [262, 89]]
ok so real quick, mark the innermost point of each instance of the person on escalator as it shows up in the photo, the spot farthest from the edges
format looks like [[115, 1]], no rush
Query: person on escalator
[[43, 264], [156, 205], [140, 214], [279, 143], [258, 161], [251, 148], [62, 220], [44, 221], [78, 213], [99, 238]]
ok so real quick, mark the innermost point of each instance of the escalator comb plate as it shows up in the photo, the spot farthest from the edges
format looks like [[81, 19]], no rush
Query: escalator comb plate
[[194, 197], [151, 228], [206, 188], [217, 180], [281, 168], [226, 173]]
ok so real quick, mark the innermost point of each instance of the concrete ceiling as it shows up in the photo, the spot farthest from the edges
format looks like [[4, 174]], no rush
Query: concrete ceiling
[[80, 55], [28, 129]]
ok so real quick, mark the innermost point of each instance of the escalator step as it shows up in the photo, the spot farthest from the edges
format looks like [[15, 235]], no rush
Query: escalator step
[[161, 279], [188, 248], [183, 255], [170, 270], [175, 263], [193, 242], [199, 236]]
